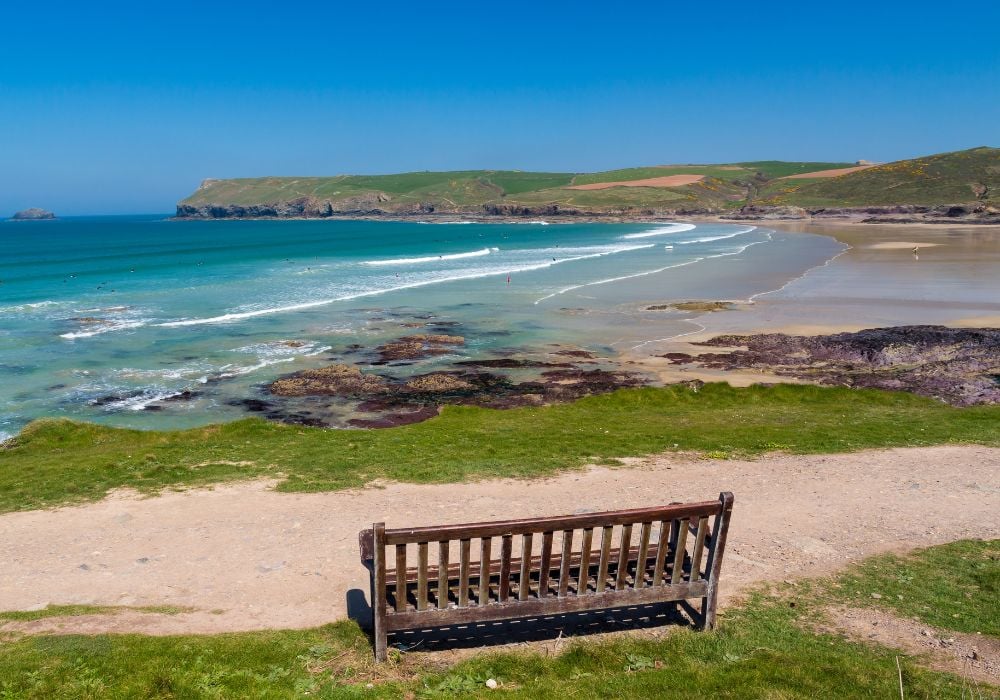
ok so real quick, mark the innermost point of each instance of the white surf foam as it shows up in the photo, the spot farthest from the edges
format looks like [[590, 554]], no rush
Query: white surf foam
[[709, 239], [478, 274], [617, 279], [431, 258], [660, 231], [105, 328]]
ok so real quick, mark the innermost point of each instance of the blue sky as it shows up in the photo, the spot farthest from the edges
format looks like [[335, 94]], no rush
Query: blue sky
[[110, 107]]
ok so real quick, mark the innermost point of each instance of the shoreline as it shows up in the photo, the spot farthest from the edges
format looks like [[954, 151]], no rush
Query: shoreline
[[597, 218]]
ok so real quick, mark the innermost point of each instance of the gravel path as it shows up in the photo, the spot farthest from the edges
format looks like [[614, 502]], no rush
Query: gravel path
[[245, 557]]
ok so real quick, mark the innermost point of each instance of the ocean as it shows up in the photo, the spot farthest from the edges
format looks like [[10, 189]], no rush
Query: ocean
[[146, 322]]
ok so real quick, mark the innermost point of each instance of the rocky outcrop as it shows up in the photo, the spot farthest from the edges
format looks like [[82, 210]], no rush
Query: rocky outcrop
[[418, 347], [33, 214], [974, 213], [370, 204], [958, 365]]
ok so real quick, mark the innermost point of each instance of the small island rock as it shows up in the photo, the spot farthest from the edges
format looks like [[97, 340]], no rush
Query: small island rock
[[33, 214]]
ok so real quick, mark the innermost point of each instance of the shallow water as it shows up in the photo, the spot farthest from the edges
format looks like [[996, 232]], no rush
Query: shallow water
[[102, 318]]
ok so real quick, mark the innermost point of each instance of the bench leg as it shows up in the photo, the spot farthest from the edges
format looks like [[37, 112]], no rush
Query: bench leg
[[707, 621], [381, 640], [378, 593]]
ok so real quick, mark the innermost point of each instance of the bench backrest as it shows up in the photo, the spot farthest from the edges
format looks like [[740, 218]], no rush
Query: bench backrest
[[679, 546]]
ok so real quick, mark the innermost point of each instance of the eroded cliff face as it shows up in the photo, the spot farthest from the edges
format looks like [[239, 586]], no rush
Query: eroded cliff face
[[313, 208], [977, 213]]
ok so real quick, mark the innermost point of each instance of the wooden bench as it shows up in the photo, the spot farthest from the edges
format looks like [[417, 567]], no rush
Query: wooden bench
[[644, 556]]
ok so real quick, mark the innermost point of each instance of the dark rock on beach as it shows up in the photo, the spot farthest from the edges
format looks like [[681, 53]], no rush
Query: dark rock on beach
[[958, 365], [398, 401], [416, 347]]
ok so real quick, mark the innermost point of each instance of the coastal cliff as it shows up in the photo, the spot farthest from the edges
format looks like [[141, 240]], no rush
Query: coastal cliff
[[953, 187]]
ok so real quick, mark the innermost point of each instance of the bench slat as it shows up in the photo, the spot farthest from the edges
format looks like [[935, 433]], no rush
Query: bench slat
[[699, 548], [400, 586], [422, 576], [677, 573], [442, 591], [643, 558], [602, 567], [524, 582], [662, 544], [505, 551], [531, 525], [465, 556], [564, 562], [545, 565], [623, 551], [484, 570], [583, 580]]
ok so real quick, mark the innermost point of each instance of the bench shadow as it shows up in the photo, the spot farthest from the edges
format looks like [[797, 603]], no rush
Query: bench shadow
[[527, 629]]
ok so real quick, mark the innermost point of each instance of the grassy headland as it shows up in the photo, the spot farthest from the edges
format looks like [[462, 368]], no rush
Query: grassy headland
[[766, 648], [970, 177], [59, 461]]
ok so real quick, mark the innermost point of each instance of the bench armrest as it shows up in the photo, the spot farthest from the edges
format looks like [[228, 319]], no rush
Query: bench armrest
[[366, 543]]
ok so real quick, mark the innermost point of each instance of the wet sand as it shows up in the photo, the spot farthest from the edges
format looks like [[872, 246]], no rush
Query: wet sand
[[952, 280]]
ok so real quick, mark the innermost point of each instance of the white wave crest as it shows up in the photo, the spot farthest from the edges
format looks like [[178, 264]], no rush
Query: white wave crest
[[432, 258], [105, 328], [709, 239], [660, 231]]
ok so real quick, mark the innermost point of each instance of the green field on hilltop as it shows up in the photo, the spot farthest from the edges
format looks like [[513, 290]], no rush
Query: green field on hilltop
[[59, 461], [767, 647], [946, 178]]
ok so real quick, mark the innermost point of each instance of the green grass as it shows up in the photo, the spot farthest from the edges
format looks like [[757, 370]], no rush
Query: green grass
[[76, 610], [945, 178], [763, 649], [60, 461], [953, 586]]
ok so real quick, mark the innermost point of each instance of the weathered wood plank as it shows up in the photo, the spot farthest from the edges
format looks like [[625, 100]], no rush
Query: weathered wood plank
[[568, 522], [506, 546], [661, 552], [623, 551], [465, 559], [545, 565], [698, 549], [400, 584], [442, 592], [677, 572], [422, 576], [484, 570], [720, 531], [565, 559], [584, 578], [643, 556], [602, 566], [378, 591], [524, 582]]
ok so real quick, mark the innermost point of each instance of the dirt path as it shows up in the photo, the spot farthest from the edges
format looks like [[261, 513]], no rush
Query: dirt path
[[245, 557]]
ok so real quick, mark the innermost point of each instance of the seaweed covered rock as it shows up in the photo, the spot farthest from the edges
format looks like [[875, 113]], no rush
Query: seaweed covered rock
[[335, 380], [957, 365]]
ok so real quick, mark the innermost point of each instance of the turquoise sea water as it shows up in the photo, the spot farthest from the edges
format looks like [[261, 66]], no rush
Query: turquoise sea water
[[102, 318]]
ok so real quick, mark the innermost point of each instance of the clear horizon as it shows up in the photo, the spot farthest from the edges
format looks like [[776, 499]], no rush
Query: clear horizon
[[126, 109]]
